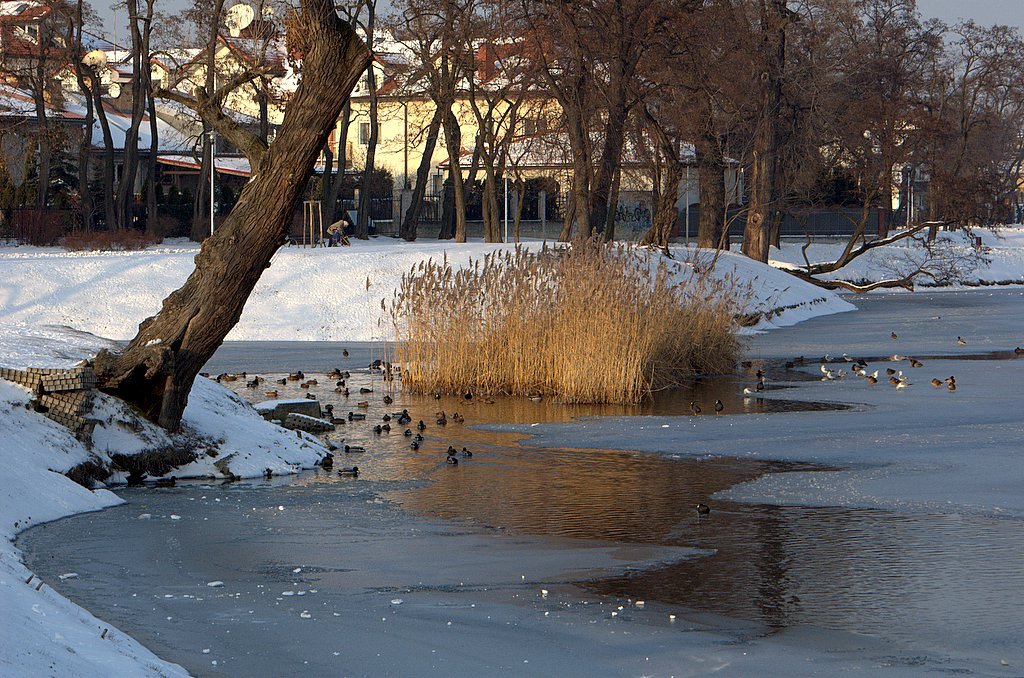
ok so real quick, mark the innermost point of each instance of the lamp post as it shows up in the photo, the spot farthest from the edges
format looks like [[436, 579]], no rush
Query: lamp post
[[213, 170], [506, 208]]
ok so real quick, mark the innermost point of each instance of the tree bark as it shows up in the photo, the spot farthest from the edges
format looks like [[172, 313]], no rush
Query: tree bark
[[331, 208], [85, 152], [711, 183], [412, 214], [108, 156], [155, 372], [453, 140], [365, 196], [762, 198]]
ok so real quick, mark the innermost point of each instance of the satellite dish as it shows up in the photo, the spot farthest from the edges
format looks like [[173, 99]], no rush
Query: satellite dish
[[95, 59], [113, 90], [239, 16]]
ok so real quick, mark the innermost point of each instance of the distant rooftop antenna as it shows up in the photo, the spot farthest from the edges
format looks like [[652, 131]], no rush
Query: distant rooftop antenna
[[238, 17]]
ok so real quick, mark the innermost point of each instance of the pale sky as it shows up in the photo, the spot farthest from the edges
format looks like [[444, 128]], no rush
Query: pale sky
[[985, 12]]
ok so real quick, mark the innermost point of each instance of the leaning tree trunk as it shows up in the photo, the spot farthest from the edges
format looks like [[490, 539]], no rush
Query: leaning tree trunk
[[156, 370]]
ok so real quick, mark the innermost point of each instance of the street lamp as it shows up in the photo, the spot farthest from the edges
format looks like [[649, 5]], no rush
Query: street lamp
[[213, 170]]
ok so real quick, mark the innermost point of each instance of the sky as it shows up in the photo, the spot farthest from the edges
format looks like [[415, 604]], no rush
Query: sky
[[985, 12]]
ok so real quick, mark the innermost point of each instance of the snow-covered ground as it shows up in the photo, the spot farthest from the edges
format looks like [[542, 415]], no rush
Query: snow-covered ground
[[1000, 261], [306, 294]]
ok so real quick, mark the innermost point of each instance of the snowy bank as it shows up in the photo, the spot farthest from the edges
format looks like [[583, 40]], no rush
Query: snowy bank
[[306, 294], [43, 633]]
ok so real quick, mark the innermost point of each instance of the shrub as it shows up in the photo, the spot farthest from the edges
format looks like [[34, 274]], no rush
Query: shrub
[[587, 324], [108, 240]]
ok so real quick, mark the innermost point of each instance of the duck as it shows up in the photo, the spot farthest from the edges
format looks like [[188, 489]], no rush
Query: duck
[[414, 445], [344, 352], [951, 386], [282, 381], [914, 362], [760, 386], [363, 403], [892, 335], [407, 433], [902, 384], [386, 428], [694, 408], [363, 389], [296, 376], [254, 383], [421, 426], [466, 452], [267, 474], [327, 462], [356, 416], [352, 472], [418, 438], [334, 374], [872, 379], [270, 394], [890, 371], [442, 420], [894, 381], [451, 460], [354, 449], [458, 418], [1018, 351], [536, 397], [703, 509], [468, 395], [451, 451], [388, 400], [340, 383], [719, 406], [936, 383], [378, 429], [960, 341], [310, 396]]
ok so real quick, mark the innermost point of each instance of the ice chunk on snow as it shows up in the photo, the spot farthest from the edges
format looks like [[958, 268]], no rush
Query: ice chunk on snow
[[215, 584]]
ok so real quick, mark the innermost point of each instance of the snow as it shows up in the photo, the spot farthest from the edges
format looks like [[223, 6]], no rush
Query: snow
[[306, 295]]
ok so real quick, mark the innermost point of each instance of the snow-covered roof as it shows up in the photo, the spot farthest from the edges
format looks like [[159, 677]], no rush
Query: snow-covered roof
[[238, 167]]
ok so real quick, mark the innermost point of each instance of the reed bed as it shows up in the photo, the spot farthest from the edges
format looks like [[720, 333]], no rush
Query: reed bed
[[591, 323]]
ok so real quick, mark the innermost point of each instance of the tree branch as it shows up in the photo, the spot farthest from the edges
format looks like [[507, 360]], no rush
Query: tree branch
[[244, 140], [851, 254]]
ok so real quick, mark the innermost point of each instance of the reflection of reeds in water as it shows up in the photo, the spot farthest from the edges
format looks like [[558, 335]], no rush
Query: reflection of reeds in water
[[589, 324]]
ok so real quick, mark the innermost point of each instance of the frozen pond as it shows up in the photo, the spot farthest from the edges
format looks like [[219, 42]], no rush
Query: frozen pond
[[310, 566]]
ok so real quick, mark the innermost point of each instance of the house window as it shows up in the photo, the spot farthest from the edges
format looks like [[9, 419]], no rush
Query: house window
[[364, 133], [529, 127]]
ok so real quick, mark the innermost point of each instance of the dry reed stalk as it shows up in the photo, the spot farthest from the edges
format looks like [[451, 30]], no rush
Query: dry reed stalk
[[591, 323]]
